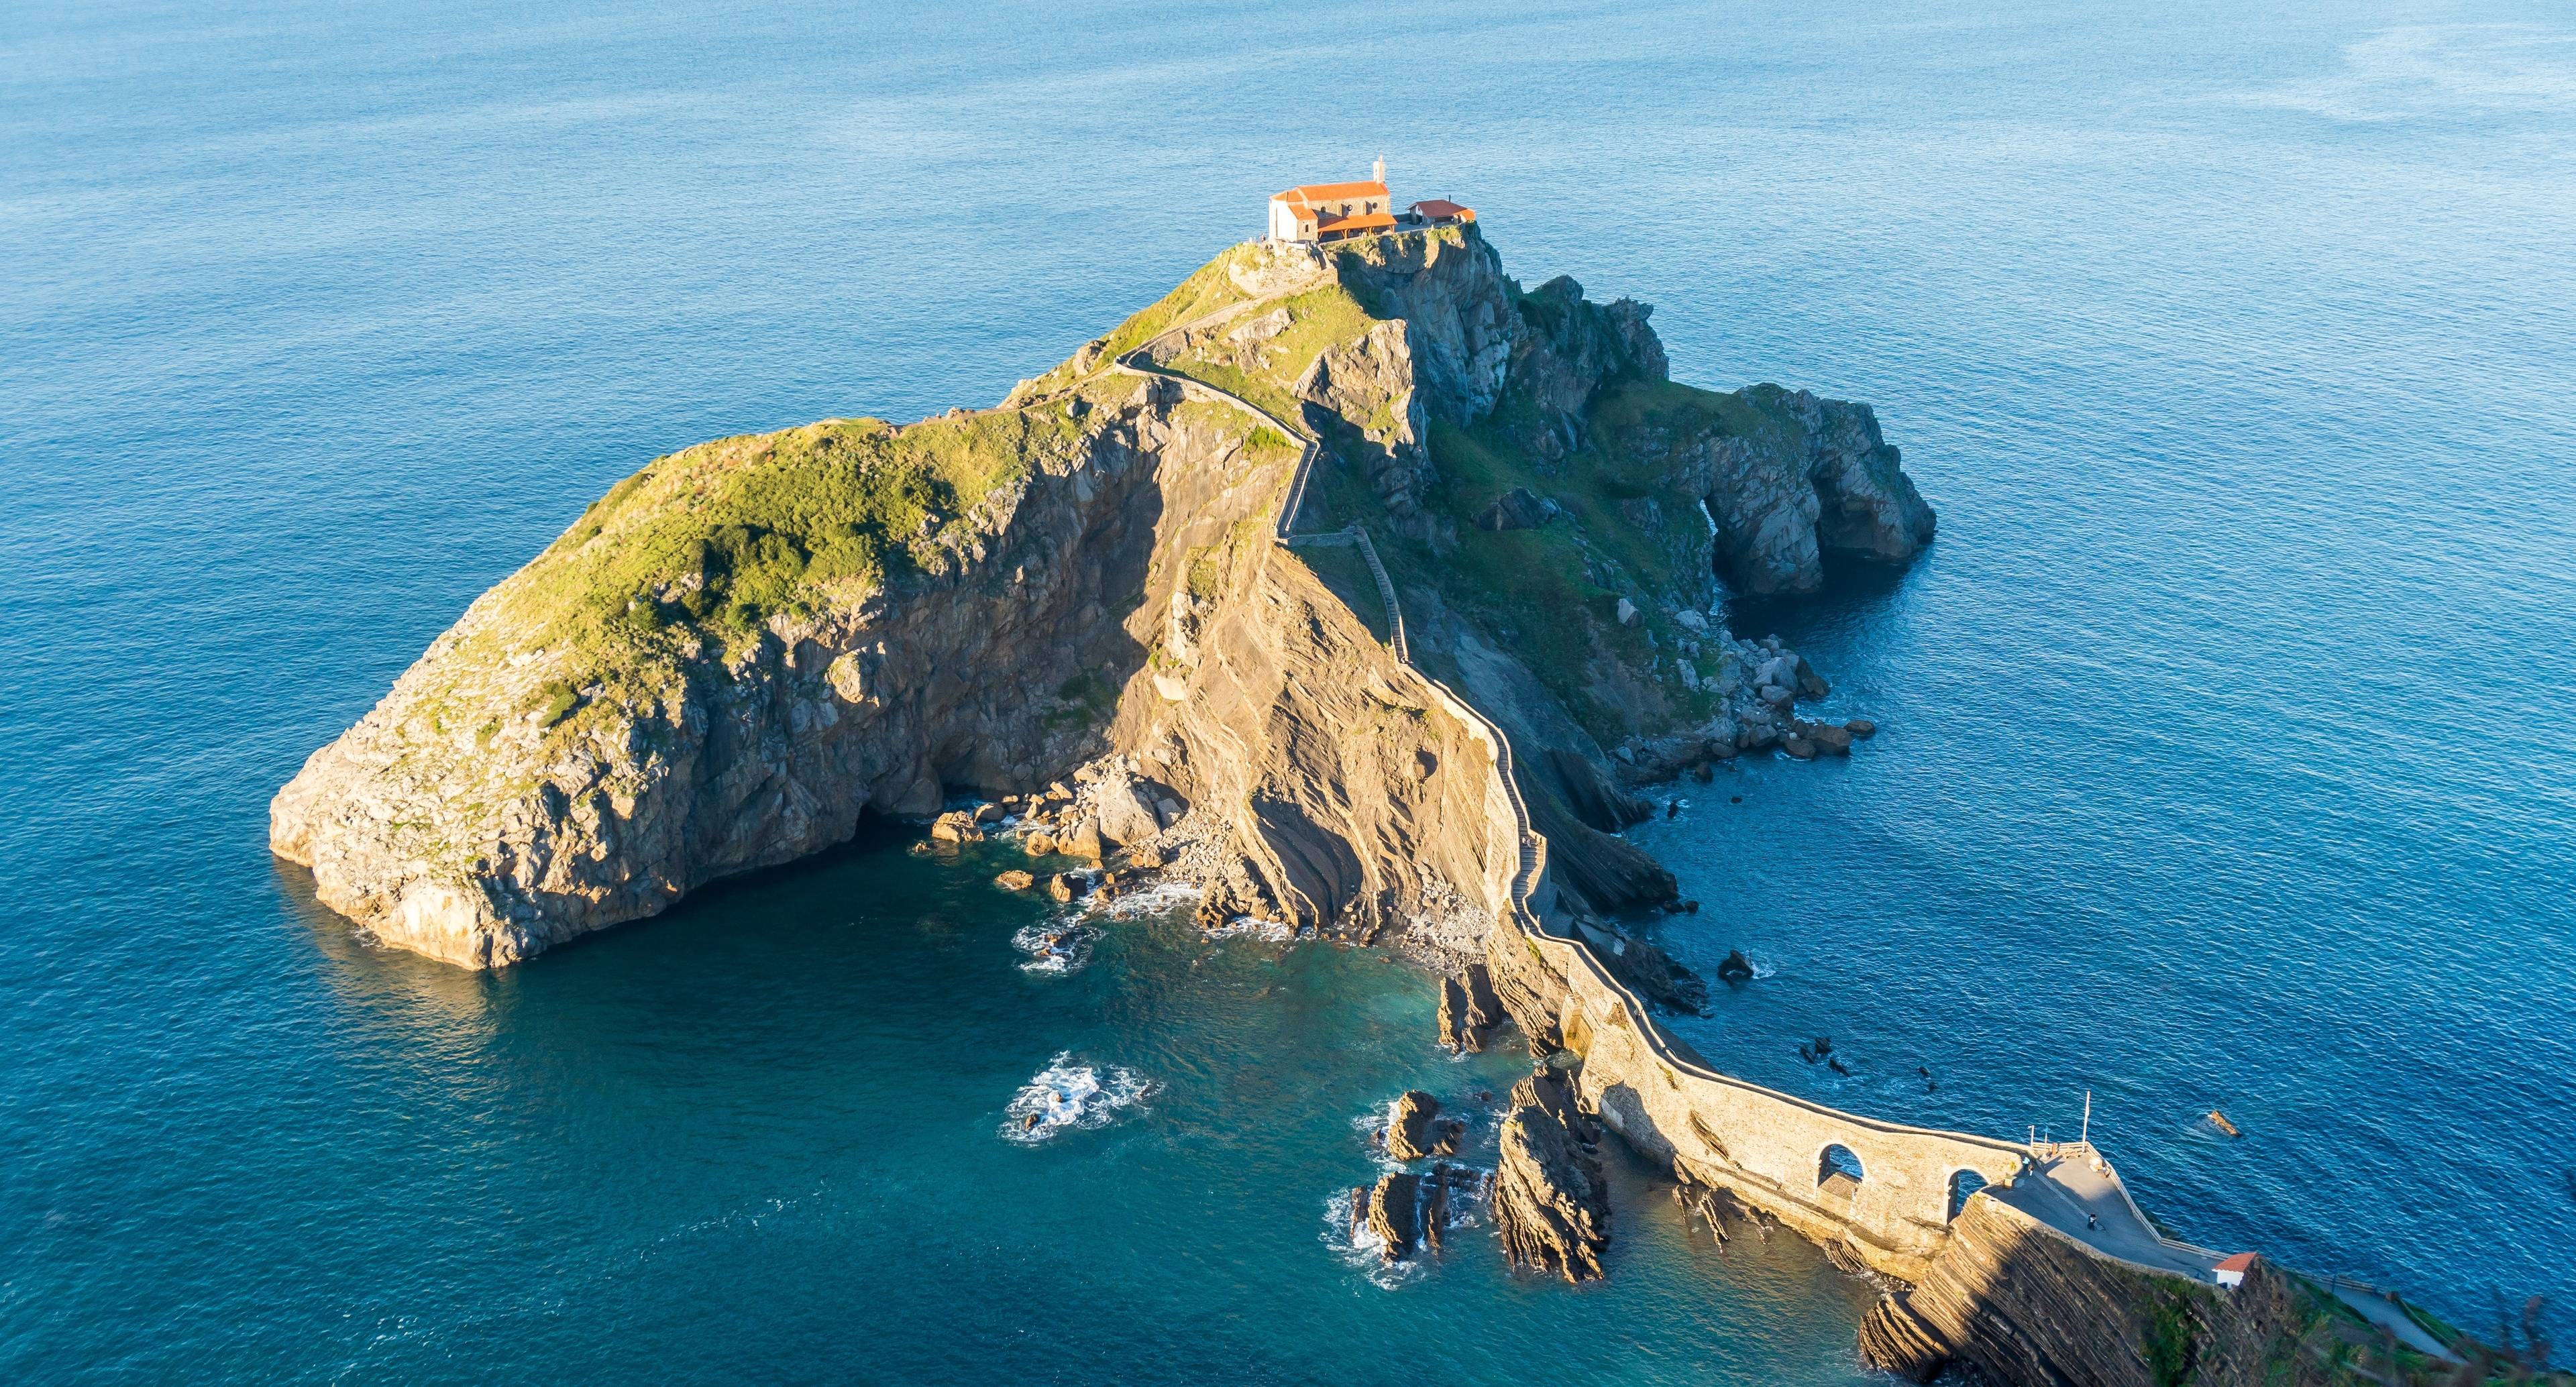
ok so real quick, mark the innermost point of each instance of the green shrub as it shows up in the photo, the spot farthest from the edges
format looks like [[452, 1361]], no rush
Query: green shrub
[[559, 698]]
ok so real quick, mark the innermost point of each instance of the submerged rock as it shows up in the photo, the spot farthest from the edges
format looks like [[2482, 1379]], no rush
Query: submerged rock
[[1736, 967]]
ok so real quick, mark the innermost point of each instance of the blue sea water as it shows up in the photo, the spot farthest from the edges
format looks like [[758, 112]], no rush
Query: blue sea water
[[2227, 761]]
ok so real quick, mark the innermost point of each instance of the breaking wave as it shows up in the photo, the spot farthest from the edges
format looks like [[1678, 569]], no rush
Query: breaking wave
[[1069, 1096], [1055, 946], [1159, 898], [1246, 927]]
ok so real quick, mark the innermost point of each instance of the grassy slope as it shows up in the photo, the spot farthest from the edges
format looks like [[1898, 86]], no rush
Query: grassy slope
[[1267, 373], [709, 543], [1209, 289]]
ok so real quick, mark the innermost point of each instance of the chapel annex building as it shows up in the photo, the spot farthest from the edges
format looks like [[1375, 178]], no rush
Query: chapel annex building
[[1340, 211]]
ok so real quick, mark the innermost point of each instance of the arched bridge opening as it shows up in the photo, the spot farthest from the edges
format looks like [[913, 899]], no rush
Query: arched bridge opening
[[1963, 1184], [1839, 1172]]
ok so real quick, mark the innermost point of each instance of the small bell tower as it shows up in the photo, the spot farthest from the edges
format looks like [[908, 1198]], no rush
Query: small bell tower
[[1377, 171]]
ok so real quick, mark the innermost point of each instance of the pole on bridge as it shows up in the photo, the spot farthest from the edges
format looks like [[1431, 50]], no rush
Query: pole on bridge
[[2085, 1138]]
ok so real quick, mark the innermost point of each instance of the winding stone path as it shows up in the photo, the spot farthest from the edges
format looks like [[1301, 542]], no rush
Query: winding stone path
[[2070, 1189]]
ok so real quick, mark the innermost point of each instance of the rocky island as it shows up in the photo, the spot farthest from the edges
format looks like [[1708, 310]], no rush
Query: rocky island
[[742, 648], [1358, 584]]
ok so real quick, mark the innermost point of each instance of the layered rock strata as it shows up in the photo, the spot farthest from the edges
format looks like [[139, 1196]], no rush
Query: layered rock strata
[[2020, 1303], [1548, 1199], [1416, 1131]]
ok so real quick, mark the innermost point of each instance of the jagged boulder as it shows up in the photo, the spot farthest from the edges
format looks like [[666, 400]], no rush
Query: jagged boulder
[[1548, 1199], [1123, 809], [1085, 840], [1416, 1131], [1829, 739], [1469, 1008], [1395, 1214], [1454, 1032], [1517, 509]]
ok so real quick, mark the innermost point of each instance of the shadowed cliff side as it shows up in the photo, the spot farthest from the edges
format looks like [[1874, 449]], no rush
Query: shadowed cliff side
[[2018, 1302]]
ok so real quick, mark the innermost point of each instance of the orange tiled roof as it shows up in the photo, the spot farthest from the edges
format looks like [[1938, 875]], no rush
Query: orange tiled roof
[[1332, 192], [1358, 221], [2240, 1262], [1443, 207]]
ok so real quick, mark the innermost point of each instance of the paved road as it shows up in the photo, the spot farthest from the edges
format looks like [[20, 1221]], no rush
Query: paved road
[[2073, 1195]]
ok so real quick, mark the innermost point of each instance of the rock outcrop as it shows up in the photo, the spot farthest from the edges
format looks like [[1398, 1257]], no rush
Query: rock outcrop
[[1548, 1199], [1469, 1010], [1395, 1213], [1786, 483], [712, 672], [1416, 1131]]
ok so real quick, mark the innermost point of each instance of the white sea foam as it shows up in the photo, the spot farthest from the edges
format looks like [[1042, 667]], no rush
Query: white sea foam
[[1057, 945], [1162, 897], [1371, 1126], [1363, 1251], [1246, 927], [1069, 1095]]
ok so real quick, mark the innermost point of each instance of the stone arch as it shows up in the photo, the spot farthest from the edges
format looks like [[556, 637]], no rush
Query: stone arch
[[1963, 1183], [1839, 1172]]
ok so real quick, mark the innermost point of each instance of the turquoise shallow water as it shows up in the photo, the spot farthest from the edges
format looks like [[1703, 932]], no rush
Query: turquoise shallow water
[[2226, 761]]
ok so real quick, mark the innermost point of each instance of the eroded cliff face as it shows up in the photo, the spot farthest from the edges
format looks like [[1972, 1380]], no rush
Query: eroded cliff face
[[740, 651], [1356, 803], [2019, 1303], [523, 784]]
